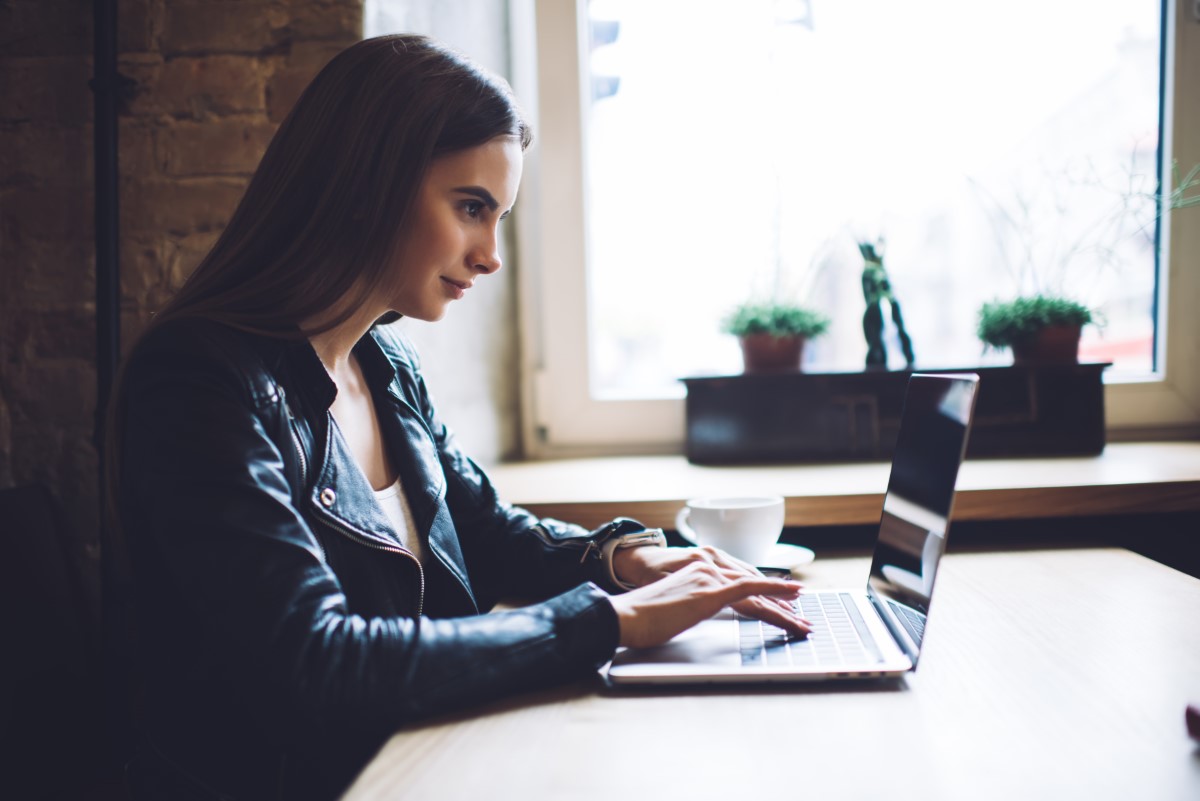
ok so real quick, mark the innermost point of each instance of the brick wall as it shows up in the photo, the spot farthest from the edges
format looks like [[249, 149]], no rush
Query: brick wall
[[213, 79]]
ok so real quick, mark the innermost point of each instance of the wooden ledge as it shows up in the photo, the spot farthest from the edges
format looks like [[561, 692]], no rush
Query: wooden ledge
[[1127, 478]]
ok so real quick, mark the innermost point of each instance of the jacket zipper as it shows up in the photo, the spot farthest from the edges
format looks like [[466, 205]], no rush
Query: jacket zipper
[[292, 428], [299, 450], [588, 546], [361, 540]]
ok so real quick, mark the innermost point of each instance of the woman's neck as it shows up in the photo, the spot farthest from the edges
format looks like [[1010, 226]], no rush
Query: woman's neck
[[334, 345]]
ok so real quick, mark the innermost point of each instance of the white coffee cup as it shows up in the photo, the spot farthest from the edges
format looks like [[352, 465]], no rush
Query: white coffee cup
[[744, 527]]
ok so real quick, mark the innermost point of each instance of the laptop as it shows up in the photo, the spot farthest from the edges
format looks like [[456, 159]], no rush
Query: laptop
[[874, 631]]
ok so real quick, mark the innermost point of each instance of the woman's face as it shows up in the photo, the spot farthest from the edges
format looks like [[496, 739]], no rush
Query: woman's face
[[455, 227]]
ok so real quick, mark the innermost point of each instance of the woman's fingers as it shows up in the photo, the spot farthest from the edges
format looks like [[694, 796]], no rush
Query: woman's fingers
[[769, 603], [747, 585], [784, 603], [655, 613], [784, 617], [728, 560]]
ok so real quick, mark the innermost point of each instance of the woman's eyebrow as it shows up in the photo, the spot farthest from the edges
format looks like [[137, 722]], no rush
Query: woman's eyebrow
[[481, 193]]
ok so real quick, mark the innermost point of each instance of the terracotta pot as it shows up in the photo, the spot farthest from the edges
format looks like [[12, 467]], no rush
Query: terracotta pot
[[766, 353], [1055, 344]]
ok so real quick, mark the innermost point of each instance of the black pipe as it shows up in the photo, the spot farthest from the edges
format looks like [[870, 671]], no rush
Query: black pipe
[[108, 277], [115, 662]]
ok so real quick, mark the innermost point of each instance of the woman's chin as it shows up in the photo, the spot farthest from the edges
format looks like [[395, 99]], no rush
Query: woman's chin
[[425, 315]]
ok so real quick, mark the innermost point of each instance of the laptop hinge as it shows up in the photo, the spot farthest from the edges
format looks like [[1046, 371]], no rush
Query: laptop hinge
[[895, 629]]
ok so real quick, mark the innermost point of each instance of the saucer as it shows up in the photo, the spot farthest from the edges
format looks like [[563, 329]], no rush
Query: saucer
[[788, 556]]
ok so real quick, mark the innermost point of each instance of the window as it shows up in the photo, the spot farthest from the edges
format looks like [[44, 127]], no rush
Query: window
[[694, 154]]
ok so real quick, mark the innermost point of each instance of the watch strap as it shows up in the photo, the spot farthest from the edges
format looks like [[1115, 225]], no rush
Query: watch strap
[[634, 539]]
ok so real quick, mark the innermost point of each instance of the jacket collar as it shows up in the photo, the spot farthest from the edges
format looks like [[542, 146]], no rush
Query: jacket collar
[[309, 372], [408, 436]]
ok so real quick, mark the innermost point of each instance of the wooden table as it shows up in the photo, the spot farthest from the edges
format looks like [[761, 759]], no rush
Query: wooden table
[[1056, 674], [1128, 478]]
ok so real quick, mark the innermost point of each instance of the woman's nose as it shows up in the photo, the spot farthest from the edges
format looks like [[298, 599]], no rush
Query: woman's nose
[[486, 258]]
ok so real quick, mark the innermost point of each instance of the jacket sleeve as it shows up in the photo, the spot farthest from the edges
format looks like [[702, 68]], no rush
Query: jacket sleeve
[[510, 553], [208, 510]]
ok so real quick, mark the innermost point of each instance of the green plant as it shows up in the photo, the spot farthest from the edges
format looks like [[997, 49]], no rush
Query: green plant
[[776, 319], [1179, 197], [1001, 323]]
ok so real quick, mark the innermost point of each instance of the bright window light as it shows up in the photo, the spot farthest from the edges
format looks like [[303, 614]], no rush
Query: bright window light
[[738, 150]]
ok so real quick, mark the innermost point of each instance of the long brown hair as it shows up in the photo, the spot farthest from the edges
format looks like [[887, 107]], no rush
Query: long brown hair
[[326, 208]]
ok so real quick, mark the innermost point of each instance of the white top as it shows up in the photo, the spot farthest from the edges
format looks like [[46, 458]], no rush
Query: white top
[[395, 506]]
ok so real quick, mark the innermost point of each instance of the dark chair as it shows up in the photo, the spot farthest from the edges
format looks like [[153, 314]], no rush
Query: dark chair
[[50, 712]]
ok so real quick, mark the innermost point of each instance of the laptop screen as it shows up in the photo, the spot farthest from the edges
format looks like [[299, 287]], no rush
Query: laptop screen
[[916, 510]]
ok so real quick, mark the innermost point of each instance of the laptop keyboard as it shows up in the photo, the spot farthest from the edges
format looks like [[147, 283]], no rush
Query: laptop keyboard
[[911, 619], [839, 636]]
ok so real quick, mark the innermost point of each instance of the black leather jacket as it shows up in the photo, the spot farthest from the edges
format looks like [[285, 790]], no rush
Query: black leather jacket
[[284, 632]]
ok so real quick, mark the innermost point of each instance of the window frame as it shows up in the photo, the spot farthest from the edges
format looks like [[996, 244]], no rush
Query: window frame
[[560, 418]]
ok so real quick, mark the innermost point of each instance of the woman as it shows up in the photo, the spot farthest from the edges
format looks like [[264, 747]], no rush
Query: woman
[[312, 551]]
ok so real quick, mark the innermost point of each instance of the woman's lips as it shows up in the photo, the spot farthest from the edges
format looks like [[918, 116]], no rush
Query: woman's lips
[[457, 288]]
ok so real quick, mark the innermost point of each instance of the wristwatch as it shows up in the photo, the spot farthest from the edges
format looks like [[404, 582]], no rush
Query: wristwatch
[[633, 539]]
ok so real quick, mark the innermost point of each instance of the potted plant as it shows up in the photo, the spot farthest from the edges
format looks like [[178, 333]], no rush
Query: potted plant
[[1038, 328], [773, 335]]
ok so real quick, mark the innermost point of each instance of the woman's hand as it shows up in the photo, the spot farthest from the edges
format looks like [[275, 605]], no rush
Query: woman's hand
[[683, 586], [641, 566]]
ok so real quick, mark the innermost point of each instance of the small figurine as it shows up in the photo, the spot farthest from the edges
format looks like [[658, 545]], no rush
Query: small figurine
[[876, 289]]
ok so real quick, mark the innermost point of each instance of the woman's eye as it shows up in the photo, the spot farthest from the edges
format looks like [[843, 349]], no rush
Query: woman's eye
[[473, 208]]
